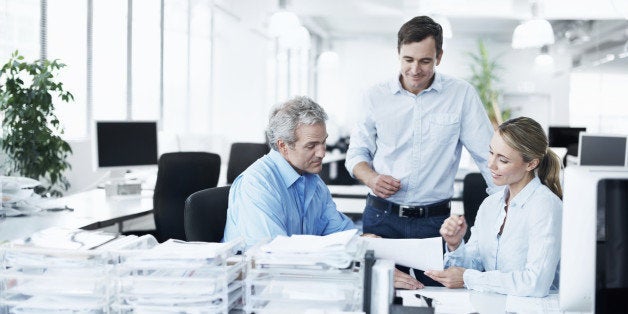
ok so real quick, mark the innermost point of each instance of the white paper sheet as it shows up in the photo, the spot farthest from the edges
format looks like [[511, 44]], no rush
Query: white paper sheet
[[310, 243], [423, 254]]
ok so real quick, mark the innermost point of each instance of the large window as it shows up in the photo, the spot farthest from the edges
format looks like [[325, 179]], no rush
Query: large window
[[19, 28], [67, 37], [146, 52], [109, 60]]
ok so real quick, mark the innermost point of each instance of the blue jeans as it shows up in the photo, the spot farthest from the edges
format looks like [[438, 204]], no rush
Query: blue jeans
[[390, 225]]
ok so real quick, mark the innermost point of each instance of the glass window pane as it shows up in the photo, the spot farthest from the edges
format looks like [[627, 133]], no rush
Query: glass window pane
[[109, 78], [175, 65], [200, 69], [67, 41], [145, 102], [19, 29]]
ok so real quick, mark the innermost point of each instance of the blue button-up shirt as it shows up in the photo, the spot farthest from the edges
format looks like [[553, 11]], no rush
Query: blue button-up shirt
[[523, 260], [418, 139], [270, 198]]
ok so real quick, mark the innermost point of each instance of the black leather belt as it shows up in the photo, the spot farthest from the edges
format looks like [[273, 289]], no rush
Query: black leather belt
[[437, 209]]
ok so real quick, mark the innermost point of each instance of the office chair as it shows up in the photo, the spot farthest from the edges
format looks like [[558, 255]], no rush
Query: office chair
[[473, 194], [178, 176], [206, 214], [242, 155]]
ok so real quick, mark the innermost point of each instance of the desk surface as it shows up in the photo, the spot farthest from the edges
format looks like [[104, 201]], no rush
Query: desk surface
[[92, 210], [470, 301]]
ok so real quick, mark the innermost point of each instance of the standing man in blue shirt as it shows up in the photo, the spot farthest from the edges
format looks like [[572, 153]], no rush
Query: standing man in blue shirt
[[407, 147]]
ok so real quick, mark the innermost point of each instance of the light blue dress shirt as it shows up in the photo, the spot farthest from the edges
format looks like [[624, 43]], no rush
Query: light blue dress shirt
[[522, 261], [418, 139], [270, 198]]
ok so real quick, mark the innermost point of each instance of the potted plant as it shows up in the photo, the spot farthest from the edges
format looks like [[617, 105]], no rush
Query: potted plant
[[31, 131], [483, 79]]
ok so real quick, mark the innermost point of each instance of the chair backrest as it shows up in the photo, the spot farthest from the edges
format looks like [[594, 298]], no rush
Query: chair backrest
[[178, 176], [206, 214], [241, 156], [473, 194]]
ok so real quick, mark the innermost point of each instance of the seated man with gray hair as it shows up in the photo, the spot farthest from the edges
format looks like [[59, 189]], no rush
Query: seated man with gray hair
[[281, 193]]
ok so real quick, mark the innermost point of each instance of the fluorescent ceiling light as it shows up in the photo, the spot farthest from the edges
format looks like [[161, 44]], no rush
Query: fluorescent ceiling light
[[533, 33]]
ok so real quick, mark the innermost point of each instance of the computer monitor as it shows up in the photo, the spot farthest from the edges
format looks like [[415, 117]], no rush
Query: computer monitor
[[594, 254], [563, 136], [121, 145], [602, 150]]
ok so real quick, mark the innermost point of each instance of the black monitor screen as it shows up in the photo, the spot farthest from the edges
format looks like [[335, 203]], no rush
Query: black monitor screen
[[564, 136], [601, 150], [129, 143]]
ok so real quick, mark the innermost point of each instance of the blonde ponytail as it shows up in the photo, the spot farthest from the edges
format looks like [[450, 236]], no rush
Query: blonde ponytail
[[549, 172]]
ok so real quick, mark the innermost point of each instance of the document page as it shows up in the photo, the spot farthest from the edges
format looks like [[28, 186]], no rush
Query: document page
[[423, 254]]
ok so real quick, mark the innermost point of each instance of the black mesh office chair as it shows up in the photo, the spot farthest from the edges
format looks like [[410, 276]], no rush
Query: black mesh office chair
[[179, 175], [206, 214], [242, 155], [473, 194]]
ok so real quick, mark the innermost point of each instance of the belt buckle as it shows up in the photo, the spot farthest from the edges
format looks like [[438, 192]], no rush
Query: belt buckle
[[403, 208]]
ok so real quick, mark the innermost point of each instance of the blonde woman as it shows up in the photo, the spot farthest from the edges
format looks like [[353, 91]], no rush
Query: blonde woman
[[515, 242]]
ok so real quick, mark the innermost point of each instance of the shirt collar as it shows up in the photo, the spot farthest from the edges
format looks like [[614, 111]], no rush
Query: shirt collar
[[288, 174], [396, 87], [524, 194]]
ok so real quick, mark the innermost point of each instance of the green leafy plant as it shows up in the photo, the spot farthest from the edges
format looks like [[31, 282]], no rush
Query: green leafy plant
[[31, 130], [483, 79]]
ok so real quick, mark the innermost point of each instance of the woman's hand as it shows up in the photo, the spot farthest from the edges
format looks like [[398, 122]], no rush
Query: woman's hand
[[452, 230], [450, 277]]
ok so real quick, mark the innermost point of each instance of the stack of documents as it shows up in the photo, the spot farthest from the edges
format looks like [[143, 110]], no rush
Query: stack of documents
[[59, 270], [305, 273], [177, 276]]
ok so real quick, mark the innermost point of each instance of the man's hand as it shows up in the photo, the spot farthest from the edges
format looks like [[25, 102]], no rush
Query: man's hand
[[404, 281], [450, 277], [452, 230], [383, 185]]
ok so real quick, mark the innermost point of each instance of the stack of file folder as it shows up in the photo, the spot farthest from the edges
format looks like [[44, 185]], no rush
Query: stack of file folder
[[305, 273], [60, 271], [179, 277]]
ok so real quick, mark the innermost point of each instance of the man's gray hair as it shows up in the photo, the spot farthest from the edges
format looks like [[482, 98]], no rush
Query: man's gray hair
[[286, 117]]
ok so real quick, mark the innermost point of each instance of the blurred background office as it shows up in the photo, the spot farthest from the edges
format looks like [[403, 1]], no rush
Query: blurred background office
[[208, 71]]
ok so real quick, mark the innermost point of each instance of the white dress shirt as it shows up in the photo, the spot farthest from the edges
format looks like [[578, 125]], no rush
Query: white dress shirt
[[418, 139], [522, 261]]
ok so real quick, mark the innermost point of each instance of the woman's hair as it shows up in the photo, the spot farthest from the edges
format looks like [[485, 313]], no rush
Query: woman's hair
[[527, 137], [286, 117]]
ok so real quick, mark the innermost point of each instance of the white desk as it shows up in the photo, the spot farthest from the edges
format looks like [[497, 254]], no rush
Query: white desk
[[92, 210], [470, 301]]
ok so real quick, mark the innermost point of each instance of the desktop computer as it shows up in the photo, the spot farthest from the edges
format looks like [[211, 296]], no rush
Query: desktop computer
[[123, 145]]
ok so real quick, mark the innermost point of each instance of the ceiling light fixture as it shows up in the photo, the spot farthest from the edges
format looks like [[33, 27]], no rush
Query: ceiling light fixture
[[282, 22], [534, 33]]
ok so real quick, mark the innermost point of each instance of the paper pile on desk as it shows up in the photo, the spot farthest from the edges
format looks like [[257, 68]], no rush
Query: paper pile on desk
[[331, 250]]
